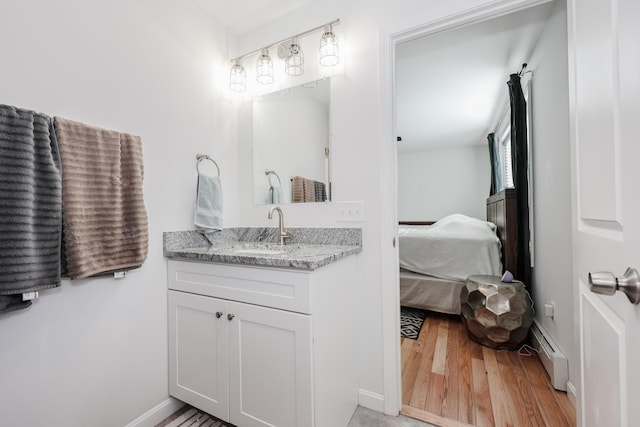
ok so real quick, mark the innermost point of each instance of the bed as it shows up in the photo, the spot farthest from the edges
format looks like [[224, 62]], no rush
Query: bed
[[437, 257]]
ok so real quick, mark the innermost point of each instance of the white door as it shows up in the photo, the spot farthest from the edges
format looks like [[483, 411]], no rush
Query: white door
[[270, 377], [604, 46], [198, 352]]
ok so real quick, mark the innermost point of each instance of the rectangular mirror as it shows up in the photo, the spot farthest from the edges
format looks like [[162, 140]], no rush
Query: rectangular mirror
[[291, 139]]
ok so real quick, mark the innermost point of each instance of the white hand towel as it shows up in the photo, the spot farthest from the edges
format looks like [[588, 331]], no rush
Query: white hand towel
[[208, 210], [276, 195]]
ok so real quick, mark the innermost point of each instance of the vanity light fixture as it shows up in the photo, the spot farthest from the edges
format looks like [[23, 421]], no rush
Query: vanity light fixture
[[238, 77], [291, 54], [264, 68], [329, 49], [294, 64]]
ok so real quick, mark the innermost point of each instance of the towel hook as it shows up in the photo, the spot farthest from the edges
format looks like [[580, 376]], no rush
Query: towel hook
[[202, 157], [269, 173]]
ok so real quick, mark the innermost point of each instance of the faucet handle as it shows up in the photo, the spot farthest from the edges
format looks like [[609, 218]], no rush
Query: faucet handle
[[284, 234]]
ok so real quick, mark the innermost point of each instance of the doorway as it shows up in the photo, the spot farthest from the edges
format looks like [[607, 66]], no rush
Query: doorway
[[398, 37]]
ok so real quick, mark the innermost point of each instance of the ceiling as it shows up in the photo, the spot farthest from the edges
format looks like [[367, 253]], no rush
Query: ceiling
[[451, 86], [240, 16]]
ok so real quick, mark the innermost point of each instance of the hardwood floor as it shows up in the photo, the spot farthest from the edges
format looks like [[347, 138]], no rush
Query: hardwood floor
[[449, 380]]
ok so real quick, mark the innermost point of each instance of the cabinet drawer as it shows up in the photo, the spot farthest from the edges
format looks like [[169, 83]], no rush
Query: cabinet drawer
[[284, 289]]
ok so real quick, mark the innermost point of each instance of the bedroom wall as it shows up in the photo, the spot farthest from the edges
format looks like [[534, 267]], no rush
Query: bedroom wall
[[551, 182], [94, 352], [440, 182]]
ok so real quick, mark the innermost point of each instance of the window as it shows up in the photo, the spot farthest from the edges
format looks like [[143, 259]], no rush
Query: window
[[505, 158], [503, 140]]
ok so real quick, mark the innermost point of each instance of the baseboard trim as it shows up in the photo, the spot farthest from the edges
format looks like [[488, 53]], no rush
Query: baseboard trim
[[156, 414], [371, 400], [572, 393], [554, 361]]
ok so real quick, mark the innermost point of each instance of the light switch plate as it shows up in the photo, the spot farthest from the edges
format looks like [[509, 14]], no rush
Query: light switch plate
[[350, 211], [550, 309]]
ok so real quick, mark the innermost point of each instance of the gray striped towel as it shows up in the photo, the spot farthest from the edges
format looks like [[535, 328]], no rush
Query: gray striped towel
[[321, 192], [105, 220], [30, 206]]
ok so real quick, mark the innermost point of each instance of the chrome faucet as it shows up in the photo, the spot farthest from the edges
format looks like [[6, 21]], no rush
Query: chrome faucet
[[281, 231]]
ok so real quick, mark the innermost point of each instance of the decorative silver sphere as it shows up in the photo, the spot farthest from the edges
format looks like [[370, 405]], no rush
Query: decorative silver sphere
[[496, 314]]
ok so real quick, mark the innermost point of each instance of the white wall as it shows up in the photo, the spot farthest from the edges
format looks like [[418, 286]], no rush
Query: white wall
[[94, 352], [551, 181], [436, 183]]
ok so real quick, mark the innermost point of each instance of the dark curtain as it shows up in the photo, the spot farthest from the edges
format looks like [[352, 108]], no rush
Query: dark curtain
[[520, 165], [494, 157]]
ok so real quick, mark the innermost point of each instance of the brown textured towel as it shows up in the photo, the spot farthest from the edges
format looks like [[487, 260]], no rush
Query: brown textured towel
[[105, 220], [297, 189], [309, 190], [303, 190]]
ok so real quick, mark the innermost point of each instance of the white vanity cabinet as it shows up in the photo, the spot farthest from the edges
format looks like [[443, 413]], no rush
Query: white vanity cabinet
[[259, 346]]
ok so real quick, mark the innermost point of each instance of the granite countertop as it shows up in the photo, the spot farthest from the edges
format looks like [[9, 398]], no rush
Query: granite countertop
[[307, 249]]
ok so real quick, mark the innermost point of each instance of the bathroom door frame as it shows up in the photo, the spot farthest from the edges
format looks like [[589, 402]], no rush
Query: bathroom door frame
[[452, 14]]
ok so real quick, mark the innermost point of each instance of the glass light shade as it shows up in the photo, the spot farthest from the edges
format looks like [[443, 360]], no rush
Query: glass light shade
[[264, 68], [294, 64], [238, 78], [329, 49]]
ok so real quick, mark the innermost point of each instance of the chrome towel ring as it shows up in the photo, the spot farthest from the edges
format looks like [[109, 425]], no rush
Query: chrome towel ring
[[201, 157], [269, 173]]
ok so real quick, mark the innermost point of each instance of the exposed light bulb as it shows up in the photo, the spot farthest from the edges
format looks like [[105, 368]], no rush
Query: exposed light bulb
[[294, 64], [238, 77], [264, 68], [329, 49]]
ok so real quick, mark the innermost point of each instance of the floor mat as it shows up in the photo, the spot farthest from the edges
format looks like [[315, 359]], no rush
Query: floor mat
[[411, 320], [191, 417]]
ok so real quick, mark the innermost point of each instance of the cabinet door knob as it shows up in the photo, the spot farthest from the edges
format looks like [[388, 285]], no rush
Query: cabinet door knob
[[230, 316], [219, 314]]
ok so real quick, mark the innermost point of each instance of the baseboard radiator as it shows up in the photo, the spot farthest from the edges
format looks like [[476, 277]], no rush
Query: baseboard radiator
[[554, 361]]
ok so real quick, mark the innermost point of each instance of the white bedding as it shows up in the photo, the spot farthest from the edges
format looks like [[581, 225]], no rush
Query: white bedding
[[453, 248]]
